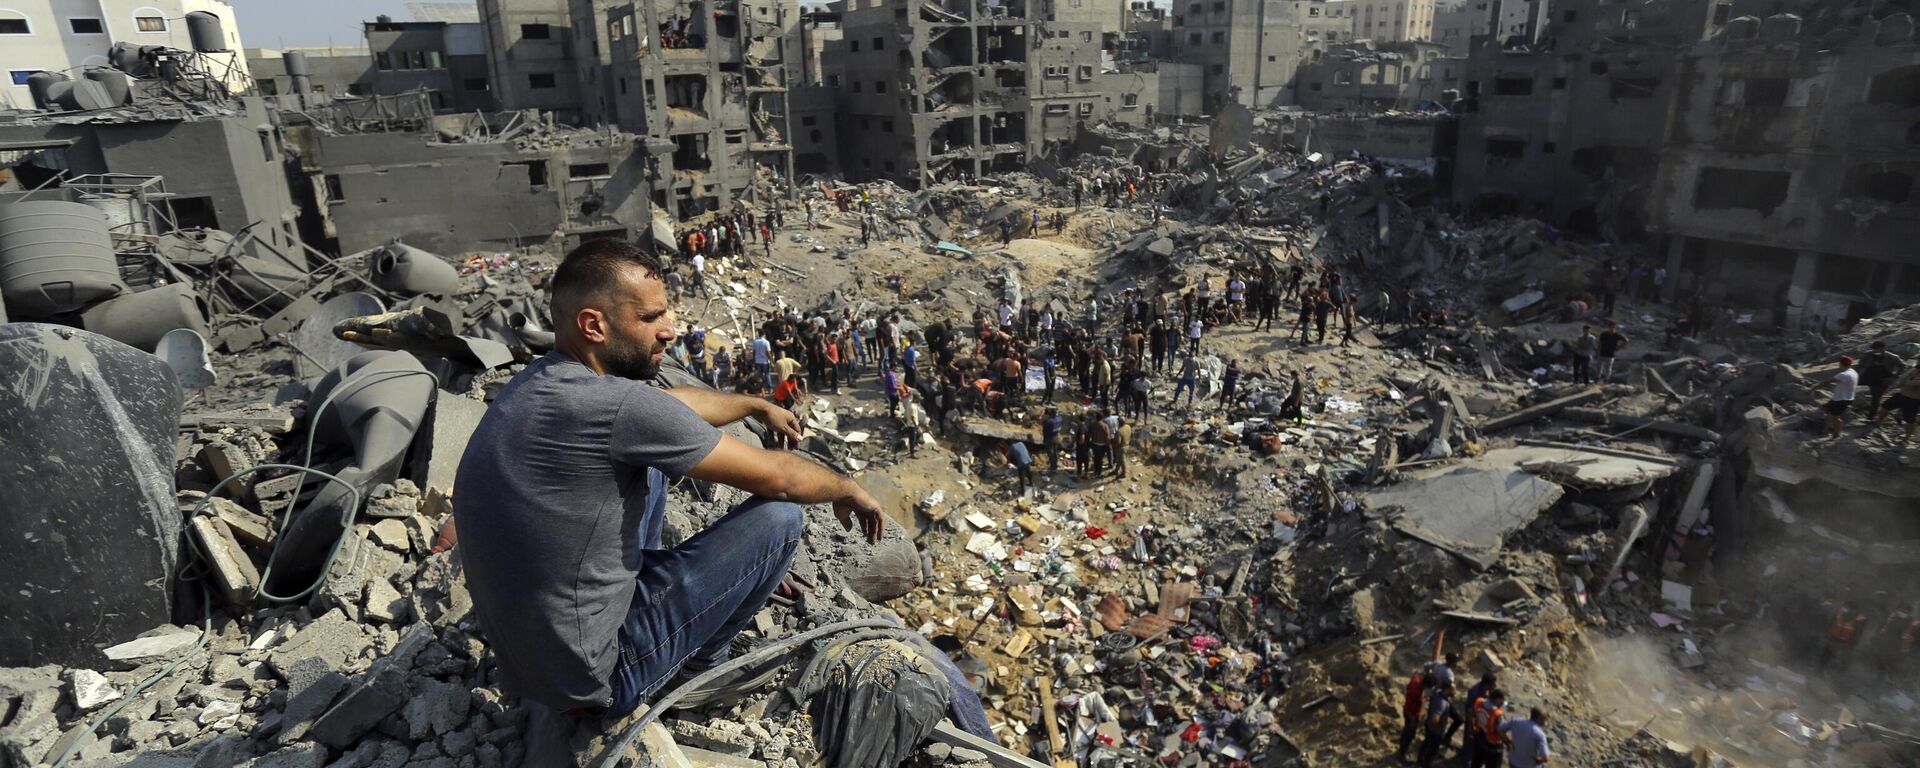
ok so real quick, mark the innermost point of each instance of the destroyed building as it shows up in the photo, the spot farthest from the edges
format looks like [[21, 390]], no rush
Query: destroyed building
[[710, 79], [1249, 49], [1786, 181], [530, 49], [1369, 77]]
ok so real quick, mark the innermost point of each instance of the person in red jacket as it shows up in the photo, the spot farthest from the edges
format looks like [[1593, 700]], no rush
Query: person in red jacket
[[1410, 710]]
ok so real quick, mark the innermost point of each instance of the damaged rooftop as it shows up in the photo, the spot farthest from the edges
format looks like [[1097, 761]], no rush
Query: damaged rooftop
[[1238, 383]]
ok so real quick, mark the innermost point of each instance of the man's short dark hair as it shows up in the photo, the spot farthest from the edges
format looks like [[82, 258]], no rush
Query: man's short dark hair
[[1537, 715], [593, 266]]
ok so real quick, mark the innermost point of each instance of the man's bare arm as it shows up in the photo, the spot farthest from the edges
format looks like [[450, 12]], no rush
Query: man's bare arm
[[721, 409], [717, 408], [787, 477]]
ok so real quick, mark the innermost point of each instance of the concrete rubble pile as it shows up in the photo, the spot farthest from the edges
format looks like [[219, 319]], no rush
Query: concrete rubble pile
[[1254, 585], [364, 652]]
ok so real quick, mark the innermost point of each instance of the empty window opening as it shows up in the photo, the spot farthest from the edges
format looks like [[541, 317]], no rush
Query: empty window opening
[[83, 26], [1886, 186], [1506, 148], [540, 80], [1896, 87], [536, 171], [587, 170], [536, 32], [1513, 86], [1736, 188], [335, 192]]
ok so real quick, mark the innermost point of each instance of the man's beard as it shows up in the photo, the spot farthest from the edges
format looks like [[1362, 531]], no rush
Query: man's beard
[[629, 358]]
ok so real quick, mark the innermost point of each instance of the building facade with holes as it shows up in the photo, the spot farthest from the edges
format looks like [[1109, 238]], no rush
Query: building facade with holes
[[69, 35]]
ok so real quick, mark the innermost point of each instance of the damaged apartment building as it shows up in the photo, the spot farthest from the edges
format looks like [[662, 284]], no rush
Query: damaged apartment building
[[962, 88], [707, 80], [1726, 155]]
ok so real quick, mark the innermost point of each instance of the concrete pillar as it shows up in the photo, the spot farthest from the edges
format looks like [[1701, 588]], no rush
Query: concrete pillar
[[1676, 255], [1794, 313]]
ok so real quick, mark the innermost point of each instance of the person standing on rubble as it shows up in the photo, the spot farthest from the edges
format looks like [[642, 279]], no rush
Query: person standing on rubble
[[1469, 743], [1021, 460], [1583, 348], [1837, 655], [1845, 383], [1322, 306], [1103, 378], [1488, 717], [1905, 401], [1050, 437], [1529, 740], [1879, 369], [1610, 343], [1306, 316], [1411, 705], [1188, 382], [1441, 719], [1122, 433], [1196, 327], [1099, 442], [1227, 384], [763, 359], [913, 422], [564, 492]]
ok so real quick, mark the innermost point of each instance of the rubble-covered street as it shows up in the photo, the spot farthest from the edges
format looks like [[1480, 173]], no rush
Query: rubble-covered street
[[1155, 439], [1652, 558]]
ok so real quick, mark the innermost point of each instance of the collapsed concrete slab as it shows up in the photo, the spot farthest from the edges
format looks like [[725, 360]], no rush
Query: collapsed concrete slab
[[1470, 507]]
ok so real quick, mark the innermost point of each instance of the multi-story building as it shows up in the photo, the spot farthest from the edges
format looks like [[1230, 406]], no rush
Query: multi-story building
[[448, 59], [934, 90], [1563, 131], [1249, 49], [1786, 184], [1369, 77], [1456, 24], [1394, 20], [331, 71], [530, 53], [68, 36], [709, 78]]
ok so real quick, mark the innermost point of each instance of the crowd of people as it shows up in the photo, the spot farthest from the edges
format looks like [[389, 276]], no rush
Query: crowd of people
[[1434, 712]]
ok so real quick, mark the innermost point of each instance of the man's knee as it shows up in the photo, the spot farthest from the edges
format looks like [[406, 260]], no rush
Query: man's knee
[[781, 520]]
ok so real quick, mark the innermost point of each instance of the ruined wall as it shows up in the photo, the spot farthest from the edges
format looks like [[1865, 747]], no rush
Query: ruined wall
[[1788, 178], [530, 50]]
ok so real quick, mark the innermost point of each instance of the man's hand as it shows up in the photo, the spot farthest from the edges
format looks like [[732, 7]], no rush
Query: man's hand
[[859, 504], [780, 420]]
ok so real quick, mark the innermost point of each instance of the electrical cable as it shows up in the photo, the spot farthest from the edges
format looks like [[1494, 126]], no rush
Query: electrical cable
[[611, 757], [206, 633]]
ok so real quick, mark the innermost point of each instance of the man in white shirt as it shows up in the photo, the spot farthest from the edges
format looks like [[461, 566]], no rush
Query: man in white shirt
[[700, 274], [1528, 739], [1844, 384]]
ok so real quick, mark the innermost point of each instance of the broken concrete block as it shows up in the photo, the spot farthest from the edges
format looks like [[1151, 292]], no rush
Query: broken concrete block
[[658, 749], [377, 694], [297, 756], [436, 710], [233, 569], [383, 603], [89, 689], [305, 705], [719, 736], [439, 593], [246, 527], [392, 534], [165, 646], [454, 418], [332, 638], [701, 758]]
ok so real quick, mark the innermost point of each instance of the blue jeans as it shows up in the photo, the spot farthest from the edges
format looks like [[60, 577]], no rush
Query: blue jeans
[[692, 600]]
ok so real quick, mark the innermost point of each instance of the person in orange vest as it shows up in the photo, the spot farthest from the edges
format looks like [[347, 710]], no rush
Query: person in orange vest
[[1840, 637], [1479, 692], [1909, 640], [1488, 714]]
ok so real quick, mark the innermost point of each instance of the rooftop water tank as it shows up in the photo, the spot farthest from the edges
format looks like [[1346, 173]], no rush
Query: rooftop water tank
[[55, 257], [116, 84], [203, 29]]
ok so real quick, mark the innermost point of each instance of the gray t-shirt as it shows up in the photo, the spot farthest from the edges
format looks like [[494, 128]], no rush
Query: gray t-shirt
[[549, 499]]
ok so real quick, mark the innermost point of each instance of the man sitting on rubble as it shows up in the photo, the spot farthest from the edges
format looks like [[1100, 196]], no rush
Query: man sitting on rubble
[[563, 494]]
